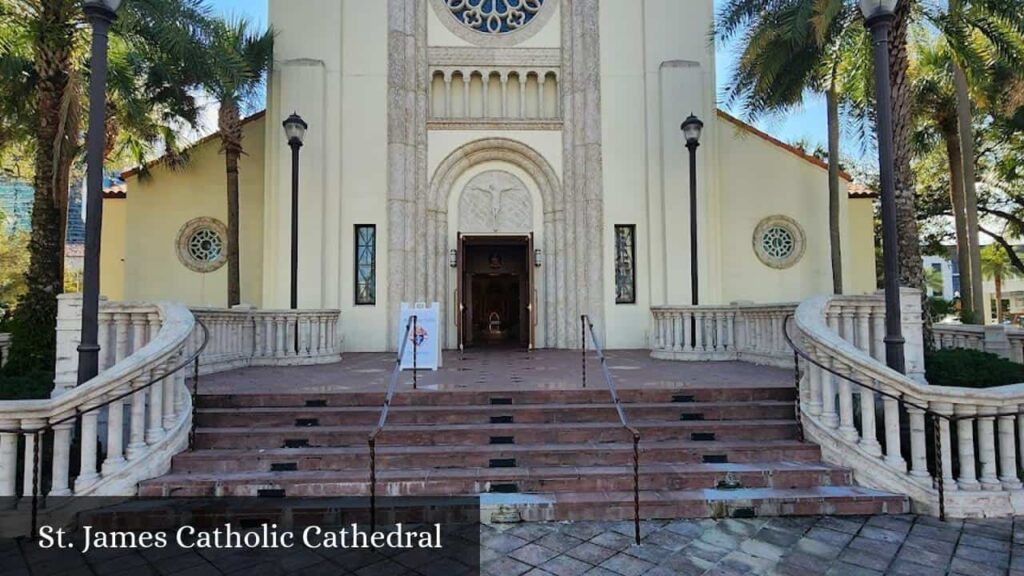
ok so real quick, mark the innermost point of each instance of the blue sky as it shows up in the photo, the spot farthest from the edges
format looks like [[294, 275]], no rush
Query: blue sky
[[807, 124]]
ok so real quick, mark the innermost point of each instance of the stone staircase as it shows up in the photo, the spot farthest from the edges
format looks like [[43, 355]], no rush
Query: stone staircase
[[552, 454]]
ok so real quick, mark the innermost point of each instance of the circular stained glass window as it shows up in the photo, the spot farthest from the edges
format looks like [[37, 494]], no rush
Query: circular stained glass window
[[202, 244], [495, 16], [779, 242]]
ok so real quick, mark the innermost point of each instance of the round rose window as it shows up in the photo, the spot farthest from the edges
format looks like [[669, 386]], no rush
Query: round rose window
[[494, 16], [202, 244], [779, 242]]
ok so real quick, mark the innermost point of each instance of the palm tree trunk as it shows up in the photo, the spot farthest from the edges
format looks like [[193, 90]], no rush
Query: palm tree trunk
[[231, 135], [956, 196], [911, 270], [35, 336], [998, 278], [966, 133], [832, 102]]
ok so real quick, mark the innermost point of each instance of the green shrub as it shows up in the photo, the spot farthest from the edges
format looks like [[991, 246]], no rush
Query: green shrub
[[970, 369]]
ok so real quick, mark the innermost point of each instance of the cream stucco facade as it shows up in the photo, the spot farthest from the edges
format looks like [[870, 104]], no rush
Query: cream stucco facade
[[572, 121]]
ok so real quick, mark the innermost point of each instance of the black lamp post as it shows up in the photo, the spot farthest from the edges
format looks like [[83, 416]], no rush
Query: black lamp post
[[692, 128], [295, 130], [878, 17], [101, 15]]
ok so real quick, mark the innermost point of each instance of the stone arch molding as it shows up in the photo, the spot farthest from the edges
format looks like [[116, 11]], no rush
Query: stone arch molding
[[559, 271]]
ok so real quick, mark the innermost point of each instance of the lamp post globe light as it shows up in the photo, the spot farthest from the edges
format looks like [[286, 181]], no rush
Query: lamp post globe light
[[878, 17], [295, 131], [101, 15]]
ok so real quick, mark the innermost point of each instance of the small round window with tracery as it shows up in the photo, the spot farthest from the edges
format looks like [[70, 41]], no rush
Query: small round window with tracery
[[495, 16], [201, 244], [779, 242]]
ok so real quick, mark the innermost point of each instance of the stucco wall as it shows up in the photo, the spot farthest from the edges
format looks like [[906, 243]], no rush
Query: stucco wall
[[113, 245], [157, 208]]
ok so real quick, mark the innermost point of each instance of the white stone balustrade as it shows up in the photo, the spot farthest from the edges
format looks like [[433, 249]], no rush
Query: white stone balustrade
[[5, 349], [748, 332], [1004, 341], [244, 337], [140, 342], [865, 428]]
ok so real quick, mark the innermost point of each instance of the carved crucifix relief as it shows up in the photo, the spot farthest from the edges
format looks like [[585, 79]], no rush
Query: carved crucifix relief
[[495, 202]]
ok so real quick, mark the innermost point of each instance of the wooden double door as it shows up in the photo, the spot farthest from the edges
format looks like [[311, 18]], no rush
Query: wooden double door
[[495, 295]]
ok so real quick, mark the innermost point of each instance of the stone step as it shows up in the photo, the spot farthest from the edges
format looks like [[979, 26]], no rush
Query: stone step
[[618, 453], [471, 481], [598, 394], [714, 503], [486, 414], [496, 434]]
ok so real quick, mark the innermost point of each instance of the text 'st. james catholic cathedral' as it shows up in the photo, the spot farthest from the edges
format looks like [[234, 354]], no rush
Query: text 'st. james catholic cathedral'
[[519, 162]]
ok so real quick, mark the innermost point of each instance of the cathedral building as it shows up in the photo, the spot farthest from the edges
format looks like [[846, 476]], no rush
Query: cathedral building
[[518, 162]]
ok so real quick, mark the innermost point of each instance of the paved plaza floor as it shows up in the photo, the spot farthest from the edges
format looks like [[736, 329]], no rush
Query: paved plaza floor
[[898, 545]]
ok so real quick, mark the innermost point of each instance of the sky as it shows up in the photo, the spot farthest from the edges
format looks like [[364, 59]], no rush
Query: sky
[[807, 124]]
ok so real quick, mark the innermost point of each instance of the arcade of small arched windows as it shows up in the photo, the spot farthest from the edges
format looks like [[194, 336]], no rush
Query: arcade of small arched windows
[[495, 94]]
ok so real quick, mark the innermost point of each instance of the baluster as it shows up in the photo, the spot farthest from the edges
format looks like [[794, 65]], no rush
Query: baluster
[[730, 331], [965, 449], [720, 331], [846, 427], [847, 314], [946, 445], [279, 329], [87, 475], [154, 325], [687, 319], [60, 483], [321, 348], [30, 426], [103, 335], [8, 458], [1008, 451], [863, 317], [139, 324], [987, 448], [814, 376], [893, 442], [869, 434], [115, 433], [155, 431], [137, 425], [776, 335], [268, 333], [878, 333], [828, 395], [918, 443], [698, 337], [121, 323], [677, 321]]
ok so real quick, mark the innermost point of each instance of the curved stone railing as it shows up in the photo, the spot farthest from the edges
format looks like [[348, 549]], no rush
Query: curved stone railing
[[243, 337], [749, 332], [958, 450], [1004, 341], [139, 391], [5, 349]]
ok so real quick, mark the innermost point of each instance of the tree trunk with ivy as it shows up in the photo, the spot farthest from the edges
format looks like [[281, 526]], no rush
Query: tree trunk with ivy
[[56, 135], [230, 125]]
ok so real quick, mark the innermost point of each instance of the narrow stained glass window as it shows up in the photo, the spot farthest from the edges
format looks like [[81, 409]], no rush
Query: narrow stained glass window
[[625, 264], [366, 264]]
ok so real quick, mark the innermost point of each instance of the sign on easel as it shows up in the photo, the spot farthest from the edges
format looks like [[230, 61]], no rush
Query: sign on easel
[[427, 337]]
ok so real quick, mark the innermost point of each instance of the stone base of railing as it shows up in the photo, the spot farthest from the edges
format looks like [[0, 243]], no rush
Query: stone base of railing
[[695, 356], [214, 364]]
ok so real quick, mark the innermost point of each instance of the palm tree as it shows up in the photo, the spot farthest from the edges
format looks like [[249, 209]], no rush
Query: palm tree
[[935, 110], [793, 47], [43, 64], [240, 56], [995, 264]]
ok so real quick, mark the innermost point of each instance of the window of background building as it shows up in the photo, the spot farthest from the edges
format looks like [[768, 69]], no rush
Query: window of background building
[[366, 264]]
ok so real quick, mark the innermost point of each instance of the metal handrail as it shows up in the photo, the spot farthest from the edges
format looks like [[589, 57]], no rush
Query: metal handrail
[[589, 326], [389, 395], [933, 415], [37, 433]]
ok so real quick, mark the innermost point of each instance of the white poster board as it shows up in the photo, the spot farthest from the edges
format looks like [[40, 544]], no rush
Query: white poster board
[[427, 336]]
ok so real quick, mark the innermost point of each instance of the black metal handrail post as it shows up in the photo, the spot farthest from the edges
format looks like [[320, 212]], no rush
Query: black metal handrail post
[[382, 420], [415, 351], [583, 346], [936, 417], [617, 403]]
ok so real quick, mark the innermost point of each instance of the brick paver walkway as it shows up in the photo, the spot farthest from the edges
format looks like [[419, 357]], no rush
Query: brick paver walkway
[[899, 545]]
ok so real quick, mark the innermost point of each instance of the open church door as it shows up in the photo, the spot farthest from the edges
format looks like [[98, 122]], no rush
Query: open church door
[[531, 264], [460, 292]]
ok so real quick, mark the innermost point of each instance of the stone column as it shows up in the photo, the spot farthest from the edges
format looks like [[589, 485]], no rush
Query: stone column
[[913, 326]]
